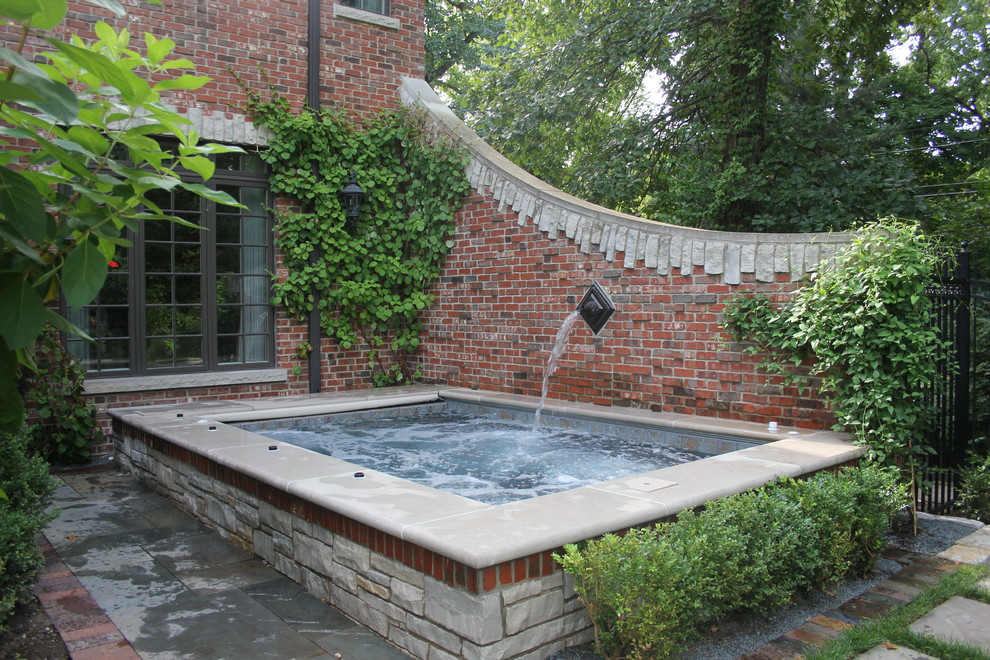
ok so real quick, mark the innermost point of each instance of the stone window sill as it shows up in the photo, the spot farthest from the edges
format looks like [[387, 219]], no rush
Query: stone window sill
[[183, 381], [343, 11]]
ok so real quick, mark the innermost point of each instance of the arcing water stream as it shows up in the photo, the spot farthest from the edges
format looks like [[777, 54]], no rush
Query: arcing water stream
[[558, 349]]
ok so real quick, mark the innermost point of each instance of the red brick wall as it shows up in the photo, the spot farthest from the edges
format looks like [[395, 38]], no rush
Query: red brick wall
[[361, 63], [506, 289]]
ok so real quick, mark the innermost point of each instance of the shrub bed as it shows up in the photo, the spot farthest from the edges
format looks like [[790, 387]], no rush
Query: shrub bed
[[25, 492], [649, 591]]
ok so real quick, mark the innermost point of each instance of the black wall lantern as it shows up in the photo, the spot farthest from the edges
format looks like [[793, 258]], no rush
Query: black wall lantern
[[352, 194]]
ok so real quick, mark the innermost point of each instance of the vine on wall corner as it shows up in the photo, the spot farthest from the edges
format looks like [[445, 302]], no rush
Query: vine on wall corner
[[373, 279], [864, 321]]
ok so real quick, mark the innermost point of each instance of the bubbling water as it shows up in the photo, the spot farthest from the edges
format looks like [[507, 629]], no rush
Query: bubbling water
[[484, 458]]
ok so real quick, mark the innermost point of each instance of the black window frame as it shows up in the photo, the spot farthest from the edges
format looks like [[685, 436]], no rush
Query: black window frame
[[208, 212]]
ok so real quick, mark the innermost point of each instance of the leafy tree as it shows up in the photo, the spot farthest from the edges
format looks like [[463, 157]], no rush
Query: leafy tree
[[457, 33], [738, 114], [79, 161]]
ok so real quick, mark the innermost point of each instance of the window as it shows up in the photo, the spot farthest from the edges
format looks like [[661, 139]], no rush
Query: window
[[374, 6], [183, 298]]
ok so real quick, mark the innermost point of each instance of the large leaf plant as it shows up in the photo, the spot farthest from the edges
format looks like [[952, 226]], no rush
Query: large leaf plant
[[78, 126]]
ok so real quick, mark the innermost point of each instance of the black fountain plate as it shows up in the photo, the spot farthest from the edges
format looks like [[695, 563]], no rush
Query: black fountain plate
[[596, 308]]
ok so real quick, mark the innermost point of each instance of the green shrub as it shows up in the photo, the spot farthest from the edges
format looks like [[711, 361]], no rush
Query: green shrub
[[28, 488], [649, 592], [850, 511], [65, 420], [618, 579], [973, 500], [776, 556]]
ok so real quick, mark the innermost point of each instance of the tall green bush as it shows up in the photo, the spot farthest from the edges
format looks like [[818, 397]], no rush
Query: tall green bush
[[649, 591], [28, 488]]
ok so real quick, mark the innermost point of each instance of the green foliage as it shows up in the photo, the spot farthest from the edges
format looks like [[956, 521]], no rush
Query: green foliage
[[79, 161], [28, 488], [373, 279], [458, 32], [973, 499], [65, 419], [850, 515], [865, 320], [765, 115], [650, 591]]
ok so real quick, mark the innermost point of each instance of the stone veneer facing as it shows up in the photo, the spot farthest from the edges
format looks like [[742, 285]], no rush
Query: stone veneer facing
[[657, 245]]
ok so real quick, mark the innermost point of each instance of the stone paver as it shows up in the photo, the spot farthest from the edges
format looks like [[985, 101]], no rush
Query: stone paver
[[958, 620], [919, 572], [893, 653], [128, 575]]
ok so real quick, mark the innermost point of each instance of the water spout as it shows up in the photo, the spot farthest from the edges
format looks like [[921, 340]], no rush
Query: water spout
[[595, 308], [558, 349]]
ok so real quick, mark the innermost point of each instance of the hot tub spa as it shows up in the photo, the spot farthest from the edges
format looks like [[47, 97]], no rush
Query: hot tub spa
[[438, 574]]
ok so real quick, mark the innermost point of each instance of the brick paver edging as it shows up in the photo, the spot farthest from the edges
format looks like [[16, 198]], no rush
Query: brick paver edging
[[87, 631], [919, 571]]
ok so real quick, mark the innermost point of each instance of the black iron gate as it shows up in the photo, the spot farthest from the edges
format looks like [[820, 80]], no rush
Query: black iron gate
[[960, 396]]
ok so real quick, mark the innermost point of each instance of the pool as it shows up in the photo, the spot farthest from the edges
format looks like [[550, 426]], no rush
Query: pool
[[481, 455], [436, 573]]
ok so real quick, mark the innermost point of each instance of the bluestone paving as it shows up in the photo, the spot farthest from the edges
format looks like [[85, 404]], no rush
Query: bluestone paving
[[959, 620], [130, 575], [894, 653]]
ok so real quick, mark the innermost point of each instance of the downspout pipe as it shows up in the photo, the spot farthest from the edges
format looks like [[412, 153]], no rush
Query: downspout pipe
[[313, 102]]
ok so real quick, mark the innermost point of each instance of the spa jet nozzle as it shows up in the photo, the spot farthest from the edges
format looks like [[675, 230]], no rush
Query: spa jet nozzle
[[596, 308]]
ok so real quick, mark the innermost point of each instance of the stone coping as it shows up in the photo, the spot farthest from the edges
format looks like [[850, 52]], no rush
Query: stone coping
[[162, 382], [476, 534]]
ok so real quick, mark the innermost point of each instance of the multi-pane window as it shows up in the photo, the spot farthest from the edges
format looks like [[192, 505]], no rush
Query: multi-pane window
[[375, 6], [188, 297]]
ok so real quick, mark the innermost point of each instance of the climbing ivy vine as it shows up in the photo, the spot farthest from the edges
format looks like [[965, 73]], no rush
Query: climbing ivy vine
[[372, 280], [864, 322]]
